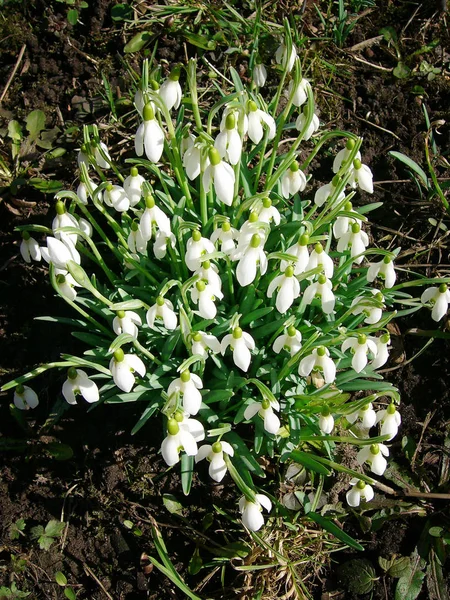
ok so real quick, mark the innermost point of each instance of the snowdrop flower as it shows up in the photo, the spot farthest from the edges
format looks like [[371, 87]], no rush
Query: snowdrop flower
[[204, 295], [301, 121], [170, 91], [319, 257], [290, 341], [300, 251], [241, 119], [133, 186], [368, 306], [126, 321], [123, 366], [209, 273], [325, 192], [64, 219], [82, 156], [100, 151], [240, 343], [356, 240], [192, 159], [390, 420], [318, 360], [383, 269], [343, 156], [300, 94], [136, 241], [160, 245], [267, 212], [202, 342], [251, 511], [292, 181], [149, 136], [322, 289], [78, 382], [214, 454], [221, 175], [188, 386], [439, 298], [196, 247], [374, 455], [256, 119], [288, 290], [367, 415], [152, 217], [382, 356], [360, 347], [259, 74], [163, 311], [141, 96], [59, 253], [361, 177], [226, 236], [116, 197], [182, 434], [251, 258], [66, 285], [326, 421], [265, 410], [358, 491], [251, 227], [85, 227], [343, 223], [229, 142], [25, 398], [29, 248], [283, 58]]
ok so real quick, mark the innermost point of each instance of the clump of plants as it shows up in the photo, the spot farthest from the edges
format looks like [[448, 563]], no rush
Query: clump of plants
[[217, 284]]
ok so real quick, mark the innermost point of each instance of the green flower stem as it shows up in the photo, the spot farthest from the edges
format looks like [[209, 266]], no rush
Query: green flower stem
[[192, 83], [203, 204], [146, 352], [112, 222], [237, 175], [437, 187], [98, 258], [261, 161], [238, 480]]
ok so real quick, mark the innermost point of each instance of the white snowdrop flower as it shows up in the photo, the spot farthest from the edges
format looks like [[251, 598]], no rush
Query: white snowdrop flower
[[210, 274], [133, 186], [221, 175], [182, 434], [253, 226], [356, 240], [196, 247], [251, 511], [204, 295], [265, 410], [163, 311], [229, 142], [361, 177], [368, 307], [187, 386], [325, 192], [293, 180], [141, 96], [29, 248], [259, 74], [343, 223], [252, 258], [170, 91], [59, 253], [266, 211], [136, 241], [367, 415], [192, 161], [139, 100], [300, 94], [439, 298], [187, 142], [374, 455], [318, 360], [153, 217], [202, 342], [257, 118], [284, 58], [100, 150], [78, 382], [240, 116], [226, 236], [289, 341], [300, 251], [301, 121], [61, 220], [214, 454], [323, 289], [240, 343], [126, 321], [160, 245], [343, 155], [358, 491], [25, 398], [288, 290], [85, 227], [66, 285], [383, 269], [123, 366], [326, 421], [390, 420], [82, 156], [149, 136], [318, 258], [116, 197], [83, 191], [382, 356], [360, 347]]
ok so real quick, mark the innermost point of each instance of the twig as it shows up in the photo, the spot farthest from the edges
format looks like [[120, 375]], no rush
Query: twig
[[366, 62], [365, 44], [97, 580], [14, 71], [378, 127]]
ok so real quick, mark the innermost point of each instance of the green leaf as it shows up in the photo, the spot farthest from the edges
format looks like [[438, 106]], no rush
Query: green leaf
[[187, 472], [15, 131], [121, 12], [389, 34], [173, 505], [138, 42], [35, 123], [409, 162], [148, 412], [54, 528], [410, 583], [16, 528], [309, 462], [60, 578], [399, 567], [335, 530], [196, 563], [357, 575], [45, 186], [70, 594], [72, 16], [59, 451], [402, 71], [121, 340]]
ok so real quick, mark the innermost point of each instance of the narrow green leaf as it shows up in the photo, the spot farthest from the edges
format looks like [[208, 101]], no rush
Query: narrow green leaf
[[187, 472], [309, 462], [409, 162], [335, 530]]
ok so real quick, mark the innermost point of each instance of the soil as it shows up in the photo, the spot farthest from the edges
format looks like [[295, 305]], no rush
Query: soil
[[110, 491]]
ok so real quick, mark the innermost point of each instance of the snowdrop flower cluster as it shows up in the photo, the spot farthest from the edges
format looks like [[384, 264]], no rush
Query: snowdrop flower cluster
[[219, 280]]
